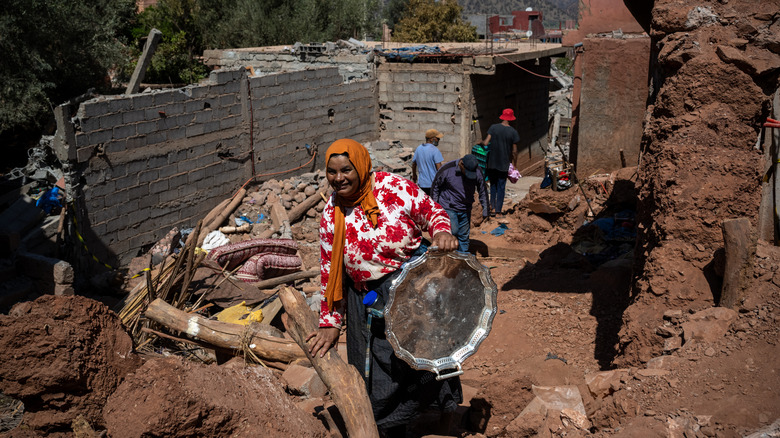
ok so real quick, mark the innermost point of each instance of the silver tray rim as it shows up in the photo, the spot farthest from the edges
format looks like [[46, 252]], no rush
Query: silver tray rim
[[478, 335]]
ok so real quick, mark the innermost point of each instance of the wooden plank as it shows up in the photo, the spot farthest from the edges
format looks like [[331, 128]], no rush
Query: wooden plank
[[347, 388], [739, 243]]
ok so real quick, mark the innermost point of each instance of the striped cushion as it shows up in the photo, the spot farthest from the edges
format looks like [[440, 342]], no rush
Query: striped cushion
[[264, 266], [231, 256]]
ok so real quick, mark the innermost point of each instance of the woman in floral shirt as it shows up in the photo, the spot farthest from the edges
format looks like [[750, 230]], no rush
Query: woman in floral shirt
[[372, 224]]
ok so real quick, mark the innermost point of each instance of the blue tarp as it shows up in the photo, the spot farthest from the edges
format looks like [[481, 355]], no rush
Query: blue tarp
[[410, 53]]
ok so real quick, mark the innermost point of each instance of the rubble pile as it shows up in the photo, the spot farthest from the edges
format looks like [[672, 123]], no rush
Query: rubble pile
[[602, 205]]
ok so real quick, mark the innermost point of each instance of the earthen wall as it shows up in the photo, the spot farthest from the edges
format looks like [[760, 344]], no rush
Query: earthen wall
[[612, 103]]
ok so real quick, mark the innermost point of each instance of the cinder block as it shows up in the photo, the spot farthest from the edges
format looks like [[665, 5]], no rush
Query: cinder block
[[162, 98], [158, 186], [157, 161], [304, 381], [174, 108], [109, 121], [144, 128], [118, 105], [229, 122], [133, 167], [156, 137], [95, 108], [123, 131], [64, 290], [115, 146], [148, 201], [148, 175], [194, 130], [132, 116], [84, 154], [142, 101], [203, 116], [177, 133]]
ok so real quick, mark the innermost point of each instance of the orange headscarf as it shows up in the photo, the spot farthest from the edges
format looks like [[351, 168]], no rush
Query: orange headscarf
[[363, 196]]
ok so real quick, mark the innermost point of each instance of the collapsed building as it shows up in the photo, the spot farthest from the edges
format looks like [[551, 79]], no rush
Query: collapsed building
[[136, 165]]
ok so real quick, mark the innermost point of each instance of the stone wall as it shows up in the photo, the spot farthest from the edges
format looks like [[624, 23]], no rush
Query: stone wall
[[147, 162]]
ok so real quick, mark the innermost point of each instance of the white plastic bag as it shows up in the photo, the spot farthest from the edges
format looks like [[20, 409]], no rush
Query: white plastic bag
[[214, 239]]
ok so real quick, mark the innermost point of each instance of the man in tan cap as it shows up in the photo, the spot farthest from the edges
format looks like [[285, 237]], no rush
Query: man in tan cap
[[427, 160]]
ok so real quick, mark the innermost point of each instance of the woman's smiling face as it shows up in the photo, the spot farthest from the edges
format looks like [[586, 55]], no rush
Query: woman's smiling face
[[342, 176]]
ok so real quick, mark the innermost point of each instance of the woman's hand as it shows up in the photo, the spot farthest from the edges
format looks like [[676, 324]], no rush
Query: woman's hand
[[324, 339], [445, 241]]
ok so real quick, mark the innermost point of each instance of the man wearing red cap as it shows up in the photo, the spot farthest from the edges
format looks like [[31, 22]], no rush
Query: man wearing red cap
[[503, 141]]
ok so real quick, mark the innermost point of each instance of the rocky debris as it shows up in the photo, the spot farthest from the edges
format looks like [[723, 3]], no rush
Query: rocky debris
[[712, 87], [304, 381], [63, 357], [175, 397]]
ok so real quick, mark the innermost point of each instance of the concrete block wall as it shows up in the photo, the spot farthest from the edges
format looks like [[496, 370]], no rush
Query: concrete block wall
[[524, 92], [416, 97], [147, 162], [313, 107]]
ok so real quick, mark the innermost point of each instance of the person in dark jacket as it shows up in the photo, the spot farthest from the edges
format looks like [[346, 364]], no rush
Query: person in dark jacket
[[453, 188]]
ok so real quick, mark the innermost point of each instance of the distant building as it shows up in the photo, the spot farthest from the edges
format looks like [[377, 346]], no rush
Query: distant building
[[480, 22], [518, 22]]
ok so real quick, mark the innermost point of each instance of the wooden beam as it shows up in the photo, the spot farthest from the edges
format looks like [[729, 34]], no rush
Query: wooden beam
[[289, 278], [347, 388], [739, 243], [223, 334], [143, 62]]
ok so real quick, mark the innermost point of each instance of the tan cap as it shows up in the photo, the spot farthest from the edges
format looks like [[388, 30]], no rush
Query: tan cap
[[433, 133]]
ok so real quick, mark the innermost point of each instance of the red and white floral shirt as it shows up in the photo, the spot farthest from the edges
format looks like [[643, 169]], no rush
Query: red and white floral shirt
[[404, 212]]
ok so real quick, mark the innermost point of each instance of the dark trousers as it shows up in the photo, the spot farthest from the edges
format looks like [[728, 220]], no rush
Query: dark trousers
[[397, 392], [497, 181]]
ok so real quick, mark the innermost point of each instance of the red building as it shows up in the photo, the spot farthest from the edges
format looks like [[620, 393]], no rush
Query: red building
[[518, 22]]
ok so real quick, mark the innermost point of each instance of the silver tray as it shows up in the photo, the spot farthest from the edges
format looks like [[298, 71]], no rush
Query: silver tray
[[440, 308]]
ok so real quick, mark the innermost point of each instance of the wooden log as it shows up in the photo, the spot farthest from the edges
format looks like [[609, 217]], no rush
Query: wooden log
[[215, 212], [245, 228], [223, 334], [234, 201], [739, 243], [273, 282], [347, 388], [298, 211]]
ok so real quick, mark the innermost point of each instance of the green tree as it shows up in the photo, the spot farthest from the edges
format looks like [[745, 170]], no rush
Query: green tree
[[54, 50], [393, 12], [176, 58], [427, 21]]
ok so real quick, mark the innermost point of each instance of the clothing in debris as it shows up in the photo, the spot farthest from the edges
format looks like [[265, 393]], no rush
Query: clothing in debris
[[454, 191]]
